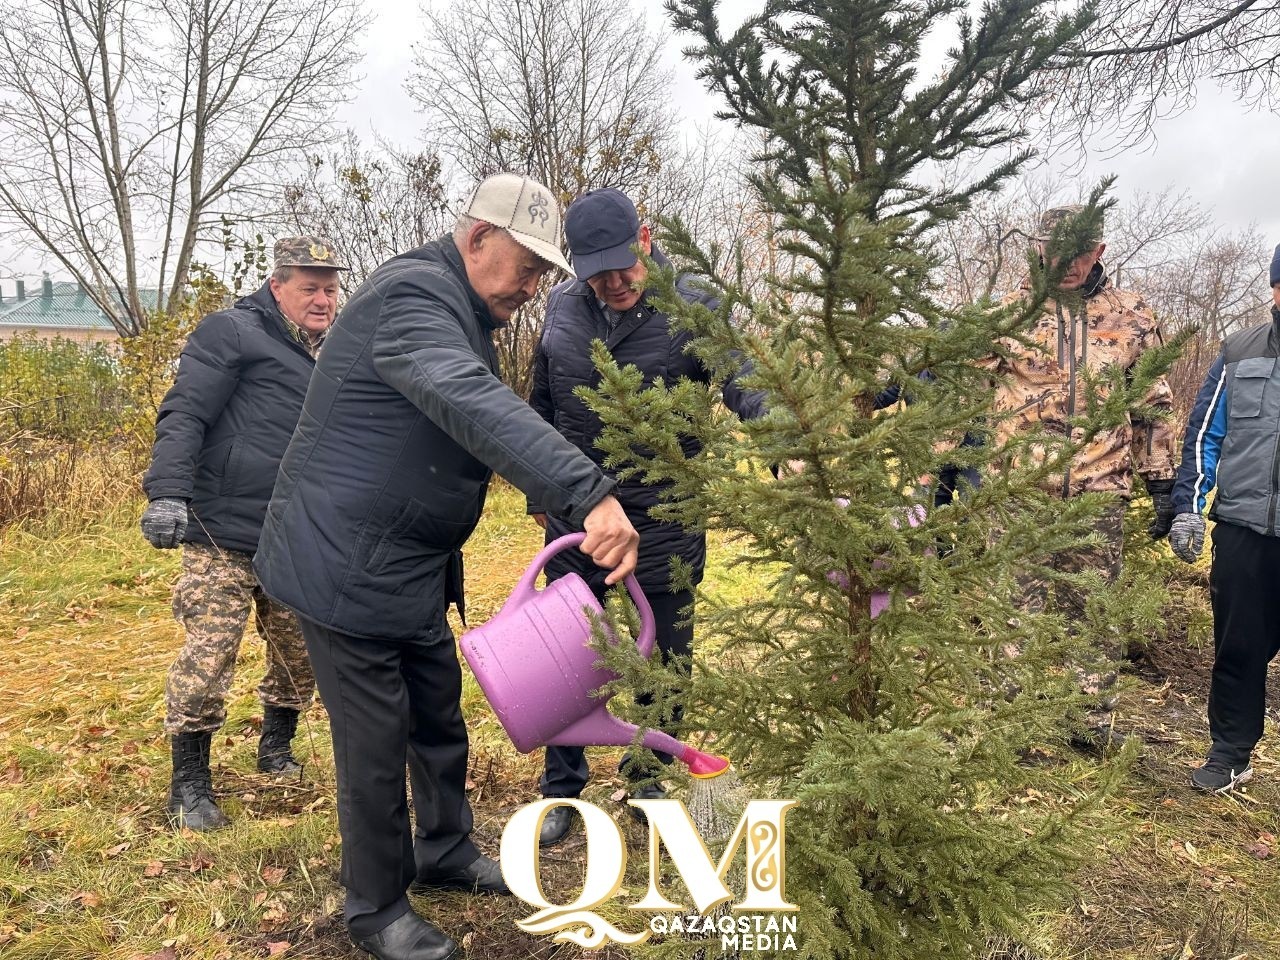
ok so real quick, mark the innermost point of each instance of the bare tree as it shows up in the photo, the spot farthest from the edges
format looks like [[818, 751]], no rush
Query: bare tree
[[373, 203], [570, 92], [982, 252], [1142, 60], [707, 187], [1219, 285], [130, 127]]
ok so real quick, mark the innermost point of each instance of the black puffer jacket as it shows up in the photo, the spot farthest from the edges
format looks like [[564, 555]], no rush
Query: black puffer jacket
[[227, 419], [562, 362], [386, 475]]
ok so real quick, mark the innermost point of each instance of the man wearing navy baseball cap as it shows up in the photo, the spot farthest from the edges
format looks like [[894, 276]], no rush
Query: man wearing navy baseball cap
[[1232, 433], [609, 301]]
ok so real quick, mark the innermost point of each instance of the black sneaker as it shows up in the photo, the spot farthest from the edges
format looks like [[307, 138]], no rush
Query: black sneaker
[[1216, 777]]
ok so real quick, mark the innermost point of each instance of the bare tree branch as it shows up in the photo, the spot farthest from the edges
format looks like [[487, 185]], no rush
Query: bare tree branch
[[130, 126], [1174, 41], [1142, 60]]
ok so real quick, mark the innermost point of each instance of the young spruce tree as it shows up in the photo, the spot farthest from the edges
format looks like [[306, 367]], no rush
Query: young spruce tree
[[921, 831]]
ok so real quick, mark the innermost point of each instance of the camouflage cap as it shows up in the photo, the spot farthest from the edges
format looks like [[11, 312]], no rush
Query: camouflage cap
[[307, 252], [1055, 215]]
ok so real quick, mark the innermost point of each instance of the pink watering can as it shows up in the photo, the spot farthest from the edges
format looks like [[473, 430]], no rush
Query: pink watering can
[[536, 666], [879, 599]]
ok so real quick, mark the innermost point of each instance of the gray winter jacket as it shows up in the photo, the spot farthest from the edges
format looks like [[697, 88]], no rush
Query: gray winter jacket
[[1233, 434]]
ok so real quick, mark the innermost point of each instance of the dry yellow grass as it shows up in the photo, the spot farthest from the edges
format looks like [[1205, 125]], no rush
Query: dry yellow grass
[[89, 869]]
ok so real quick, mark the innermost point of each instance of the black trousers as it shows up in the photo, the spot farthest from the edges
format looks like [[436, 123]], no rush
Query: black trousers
[[1244, 587], [565, 772], [390, 703]]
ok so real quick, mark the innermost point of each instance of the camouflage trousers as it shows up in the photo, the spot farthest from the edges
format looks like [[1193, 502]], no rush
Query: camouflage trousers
[[1103, 558], [212, 600]]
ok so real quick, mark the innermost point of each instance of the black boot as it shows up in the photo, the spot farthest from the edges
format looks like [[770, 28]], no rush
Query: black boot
[[279, 724], [191, 802]]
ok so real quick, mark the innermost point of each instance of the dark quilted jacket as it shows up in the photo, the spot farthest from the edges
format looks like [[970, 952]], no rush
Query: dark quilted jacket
[[227, 419], [562, 362]]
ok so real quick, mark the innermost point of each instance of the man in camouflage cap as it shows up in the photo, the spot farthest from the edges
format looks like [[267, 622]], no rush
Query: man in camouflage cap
[[220, 434], [1086, 327]]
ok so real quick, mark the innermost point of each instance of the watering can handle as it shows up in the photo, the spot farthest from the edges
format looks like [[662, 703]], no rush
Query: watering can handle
[[525, 590]]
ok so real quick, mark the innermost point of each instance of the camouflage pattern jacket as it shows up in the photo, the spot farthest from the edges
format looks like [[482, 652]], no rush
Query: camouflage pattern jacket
[[1045, 385]]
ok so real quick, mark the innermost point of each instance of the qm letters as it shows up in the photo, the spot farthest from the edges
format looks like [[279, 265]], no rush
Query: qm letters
[[761, 828]]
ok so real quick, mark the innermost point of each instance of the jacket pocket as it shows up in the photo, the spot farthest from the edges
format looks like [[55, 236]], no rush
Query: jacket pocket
[[1248, 386], [415, 534], [231, 466]]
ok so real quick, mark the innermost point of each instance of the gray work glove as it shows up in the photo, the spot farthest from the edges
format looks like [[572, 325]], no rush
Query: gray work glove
[[164, 522], [1162, 499], [1186, 536]]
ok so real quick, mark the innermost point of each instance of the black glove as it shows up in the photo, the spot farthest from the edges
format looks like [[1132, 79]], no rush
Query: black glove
[[164, 522], [1162, 498]]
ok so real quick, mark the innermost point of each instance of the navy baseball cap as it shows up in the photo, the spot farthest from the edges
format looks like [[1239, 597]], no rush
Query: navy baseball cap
[[601, 226], [1275, 267]]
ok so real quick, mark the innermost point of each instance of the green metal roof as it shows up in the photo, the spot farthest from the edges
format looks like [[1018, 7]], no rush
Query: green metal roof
[[68, 308]]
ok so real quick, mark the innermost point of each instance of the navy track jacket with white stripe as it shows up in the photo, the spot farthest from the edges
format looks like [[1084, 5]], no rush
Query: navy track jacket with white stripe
[[1233, 434]]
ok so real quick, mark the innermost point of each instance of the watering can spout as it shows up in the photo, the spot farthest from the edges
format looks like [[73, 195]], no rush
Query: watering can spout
[[599, 728]]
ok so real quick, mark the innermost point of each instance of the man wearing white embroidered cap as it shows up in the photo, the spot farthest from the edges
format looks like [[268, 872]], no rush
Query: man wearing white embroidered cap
[[525, 209], [404, 423]]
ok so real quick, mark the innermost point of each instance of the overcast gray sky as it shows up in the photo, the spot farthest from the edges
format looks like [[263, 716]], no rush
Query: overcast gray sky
[[1223, 153]]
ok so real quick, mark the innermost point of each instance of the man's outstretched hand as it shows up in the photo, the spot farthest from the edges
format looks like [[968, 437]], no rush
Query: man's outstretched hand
[[612, 542]]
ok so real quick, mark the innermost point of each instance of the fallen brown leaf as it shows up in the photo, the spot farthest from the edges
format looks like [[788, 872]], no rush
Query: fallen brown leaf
[[154, 868], [1259, 850], [115, 851], [88, 899], [199, 862], [168, 953], [273, 875], [277, 947]]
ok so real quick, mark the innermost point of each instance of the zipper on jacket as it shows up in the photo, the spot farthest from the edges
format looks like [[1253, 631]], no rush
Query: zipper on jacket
[[1275, 482], [1062, 360], [1071, 390], [1084, 336]]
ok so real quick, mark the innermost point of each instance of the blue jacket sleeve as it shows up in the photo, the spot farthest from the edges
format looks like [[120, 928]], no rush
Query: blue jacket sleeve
[[1202, 443]]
